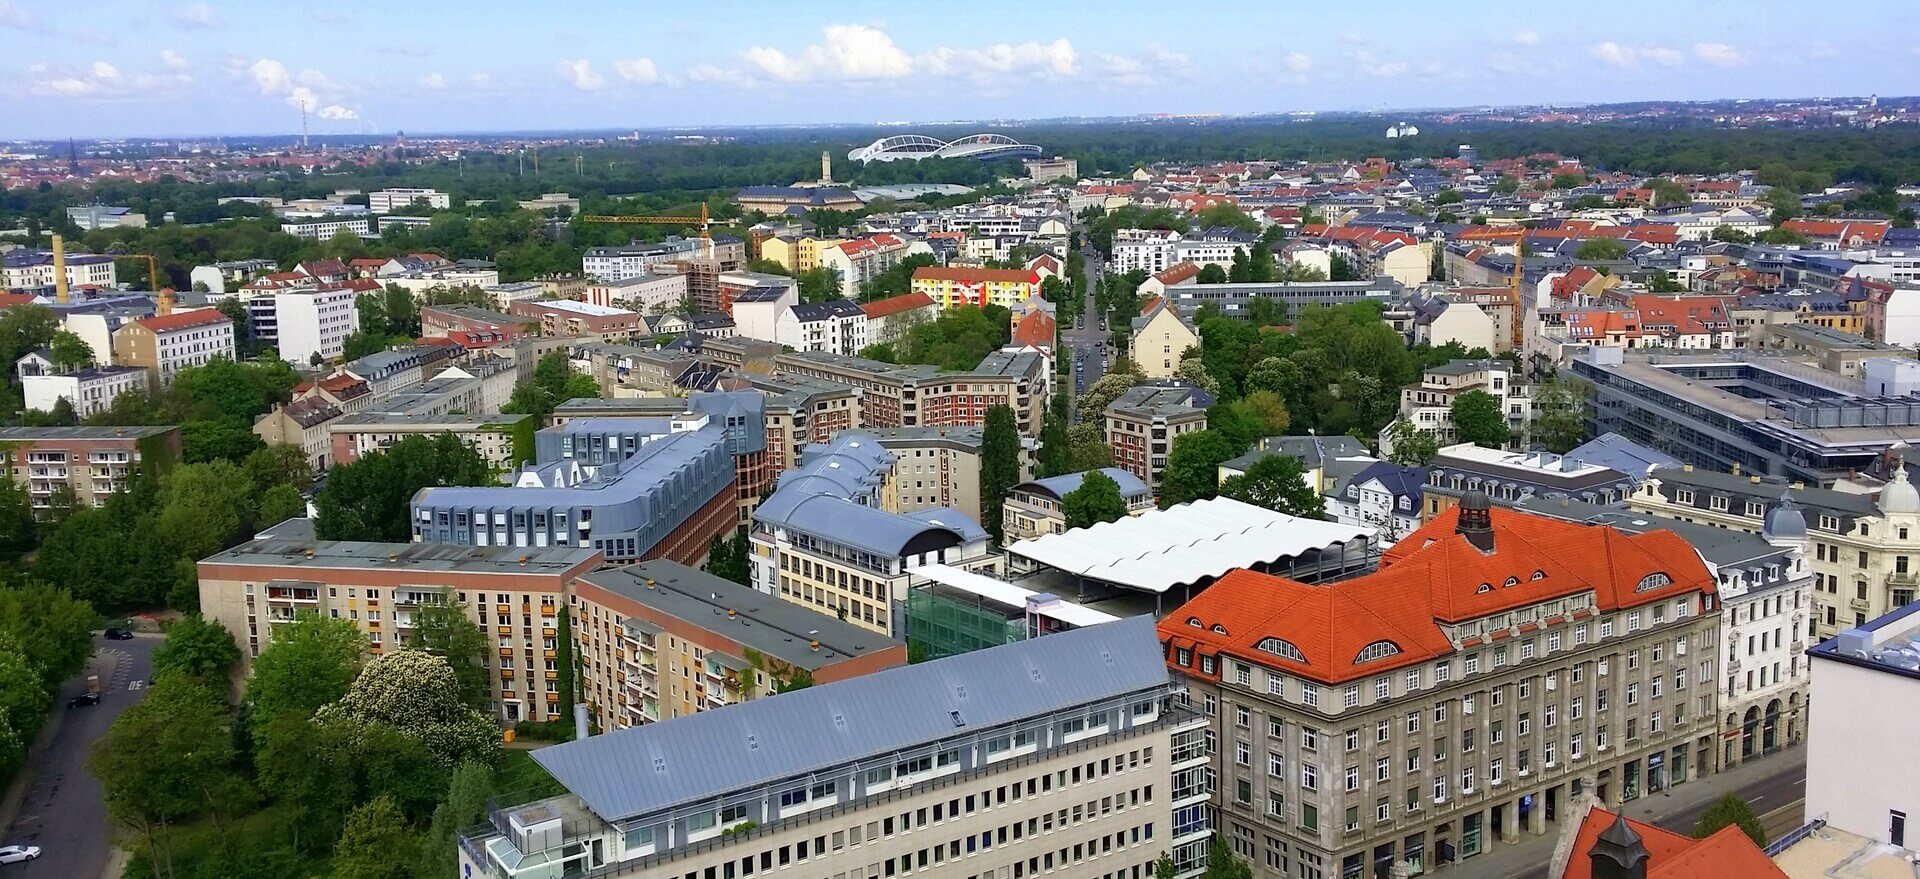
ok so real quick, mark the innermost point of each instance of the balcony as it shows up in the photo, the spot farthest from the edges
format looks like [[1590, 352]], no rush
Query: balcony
[[1904, 579], [1860, 604]]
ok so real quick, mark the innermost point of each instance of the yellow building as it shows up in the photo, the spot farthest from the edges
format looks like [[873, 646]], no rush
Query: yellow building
[[797, 254], [953, 286], [1161, 336]]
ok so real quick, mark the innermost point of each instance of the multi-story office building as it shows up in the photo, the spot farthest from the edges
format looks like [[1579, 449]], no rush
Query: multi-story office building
[[1865, 549], [87, 464], [1866, 687], [512, 593], [594, 442], [326, 227], [664, 497], [386, 201], [167, 343], [1763, 414], [659, 640], [1142, 423], [1034, 507], [1496, 667], [1232, 299], [827, 540], [935, 467], [1011, 761], [27, 269], [566, 317], [1428, 404]]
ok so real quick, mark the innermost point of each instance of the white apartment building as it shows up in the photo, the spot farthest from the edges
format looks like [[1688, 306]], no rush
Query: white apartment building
[[1009, 761], [1148, 250], [165, 344], [324, 228], [647, 294], [501, 297], [862, 259], [1428, 405], [837, 327], [386, 201], [32, 269], [89, 391], [418, 283], [1865, 703], [634, 260], [1766, 596], [309, 322]]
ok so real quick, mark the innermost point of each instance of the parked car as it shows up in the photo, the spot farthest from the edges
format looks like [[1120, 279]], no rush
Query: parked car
[[84, 700], [14, 854], [119, 635]]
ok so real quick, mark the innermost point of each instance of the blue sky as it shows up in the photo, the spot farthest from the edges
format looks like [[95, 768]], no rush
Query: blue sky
[[117, 67]]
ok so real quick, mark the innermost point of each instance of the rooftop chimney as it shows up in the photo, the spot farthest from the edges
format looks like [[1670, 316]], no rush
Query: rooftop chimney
[[59, 270], [163, 304], [1476, 520], [1619, 853]]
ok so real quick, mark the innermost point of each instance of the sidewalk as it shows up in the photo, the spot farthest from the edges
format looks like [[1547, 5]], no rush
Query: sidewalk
[[1529, 859]]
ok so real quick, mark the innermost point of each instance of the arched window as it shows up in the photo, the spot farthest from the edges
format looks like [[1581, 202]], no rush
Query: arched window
[[1195, 622], [1219, 629], [1377, 650], [1484, 588], [1652, 581], [1511, 581], [1538, 575], [1281, 648]]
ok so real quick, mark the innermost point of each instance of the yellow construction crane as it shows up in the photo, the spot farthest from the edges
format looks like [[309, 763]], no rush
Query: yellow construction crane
[[702, 221], [1516, 283]]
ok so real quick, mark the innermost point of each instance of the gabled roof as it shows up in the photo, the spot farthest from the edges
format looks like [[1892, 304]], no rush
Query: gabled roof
[[1177, 273], [965, 275], [1432, 577], [1727, 853], [183, 320], [893, 305]]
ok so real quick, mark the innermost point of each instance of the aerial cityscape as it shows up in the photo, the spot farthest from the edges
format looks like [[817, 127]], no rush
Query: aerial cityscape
[[805, 442]]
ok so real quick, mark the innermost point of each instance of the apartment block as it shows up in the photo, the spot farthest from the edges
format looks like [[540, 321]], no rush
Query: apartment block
[[1142, 423], [953, 286], [659, 640], [1428, 404], [512, 593], [167, 343], [90, 463], [1866, 684], [352, 437], [1002, 762], [918, 395], [565, 317], [1495, 670], [386, 201]]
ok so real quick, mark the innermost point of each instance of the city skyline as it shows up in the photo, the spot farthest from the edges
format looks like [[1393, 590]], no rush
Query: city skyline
[[208, 68]]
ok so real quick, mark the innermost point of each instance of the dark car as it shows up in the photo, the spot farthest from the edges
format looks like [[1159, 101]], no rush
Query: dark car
[[119, 635], [84, 700]]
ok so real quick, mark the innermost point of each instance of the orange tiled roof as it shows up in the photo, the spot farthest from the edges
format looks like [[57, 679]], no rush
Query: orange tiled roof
[[966, 275], [1431, 577], [1670, 855], [180, 320], [893, 305], [1036, 329], [1178, 272]]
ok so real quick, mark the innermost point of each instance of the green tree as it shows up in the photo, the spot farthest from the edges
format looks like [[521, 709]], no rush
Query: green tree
[[999, 466], [569, 671], [23, 705], [1783, 237], [417, 695], [727, 558], [442, 628], [1056, 446], [1226, 215], [309, 663], [464, 806], [198, 648], [554, 382], [1211, 273], [1221, 863], [1600, 249], [1193, 467], [367, 499], [1661, 281], [68, 351], [1666, 192], [1164, 867], [1731, 235], [1278, 483], [1096, 500], [166, 760], [1568, 181], [1193, 371], [1477, 419], [280, 464], [1099, 395], [1559, 415], [1730, 810], [819, 284], [1411, 446], [278, 504], [207, 506], [375, 833], [1087, 443]]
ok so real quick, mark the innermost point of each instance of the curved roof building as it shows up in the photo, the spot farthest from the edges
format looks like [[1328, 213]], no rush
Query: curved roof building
[[984, 146]]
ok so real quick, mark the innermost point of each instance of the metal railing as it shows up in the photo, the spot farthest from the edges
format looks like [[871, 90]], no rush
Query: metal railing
[[1795, 835]]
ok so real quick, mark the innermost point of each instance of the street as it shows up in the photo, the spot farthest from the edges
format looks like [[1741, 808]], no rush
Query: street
[[63, 812], [1086, 344]]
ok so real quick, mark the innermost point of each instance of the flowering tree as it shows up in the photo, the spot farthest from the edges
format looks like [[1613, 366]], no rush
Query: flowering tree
[[417, 695]]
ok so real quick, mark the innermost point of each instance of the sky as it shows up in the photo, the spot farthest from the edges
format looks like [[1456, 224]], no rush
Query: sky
[[114, 68]]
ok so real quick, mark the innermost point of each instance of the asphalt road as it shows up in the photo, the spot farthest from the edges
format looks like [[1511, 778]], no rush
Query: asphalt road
[[1086, 345], [1783, 788], [63, 812]]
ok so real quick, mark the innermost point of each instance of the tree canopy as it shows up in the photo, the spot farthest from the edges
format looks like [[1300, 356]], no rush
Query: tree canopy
[[1278, 483], [1096, 500], [367, 499], [1193, 467], [1730, 809], [1477, 419]]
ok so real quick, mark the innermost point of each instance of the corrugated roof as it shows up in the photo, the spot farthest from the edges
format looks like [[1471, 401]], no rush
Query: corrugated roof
[[640, 770], [1064, 484]]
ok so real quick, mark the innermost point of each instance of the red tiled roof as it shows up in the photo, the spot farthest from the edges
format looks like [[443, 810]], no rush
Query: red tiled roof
[[9, 300], [181, 320], [967, 275], [1177, 273], [1036, 329], [893, 305], [1431, 577], [1838, 230], [1689, 315], [1727, 853]]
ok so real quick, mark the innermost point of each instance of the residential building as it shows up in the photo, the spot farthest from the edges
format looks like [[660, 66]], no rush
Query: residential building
[[1765, 415], [659, 640], [797, 253], [666, 497], [305, 423], [1865, 686], [953, 286], [1232, 299], [83, 466], [1428, 404], [737, 286], [514, 594], [1161, 337], [324, 228], [387, 201], [468, 320], [1384, 496], [26, 269], [1497, 668], [565, 317], [1146, 250], [920, 395], [1142, 423], [89, 391], [889, 319], [935, 467], [97, 216], [343, 391], [636, 259], [1034, 507], [1893, 315], [503, 296], [218, 276], [825, 538], [389, 372], [1511, 477], [167, 343], [352, 437], [991, 742], [862, 259], [836, 326], [757, 311], [1318, 456], [647, 294], [303, 323]]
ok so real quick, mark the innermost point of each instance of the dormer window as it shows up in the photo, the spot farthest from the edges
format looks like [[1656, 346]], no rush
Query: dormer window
[[1484, 588], [1511, 582], [1195, 622], [1282, 648], [1218, 629], [1377, 650], [1538, 575]]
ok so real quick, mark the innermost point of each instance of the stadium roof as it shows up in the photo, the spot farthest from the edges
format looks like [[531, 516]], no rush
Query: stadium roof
[[1011, 595], [919, 146], [640, 770], [1161, 549]]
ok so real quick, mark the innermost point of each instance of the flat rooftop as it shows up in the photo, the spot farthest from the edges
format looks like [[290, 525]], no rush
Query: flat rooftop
[[754, 619], [83, 433], [1832, 853], [586, 308], [424, 557]]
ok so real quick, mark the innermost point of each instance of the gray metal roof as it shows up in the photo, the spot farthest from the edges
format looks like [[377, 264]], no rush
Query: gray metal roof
[[640, 770], [336, 554], [1065, 484], [83, 432]]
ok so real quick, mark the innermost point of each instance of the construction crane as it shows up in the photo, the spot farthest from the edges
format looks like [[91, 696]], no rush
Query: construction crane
[[702, 221], [1517, 332], [119, 251]]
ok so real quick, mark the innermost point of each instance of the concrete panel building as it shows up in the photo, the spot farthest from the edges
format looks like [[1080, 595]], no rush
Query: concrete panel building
[[86, 464]]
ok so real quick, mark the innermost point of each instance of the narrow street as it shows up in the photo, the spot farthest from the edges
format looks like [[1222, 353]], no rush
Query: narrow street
[[1085, 343]]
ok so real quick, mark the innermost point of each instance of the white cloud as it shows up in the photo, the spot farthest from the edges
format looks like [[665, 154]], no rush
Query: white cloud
[[1057, 58], [433, 81], [1527, 38], [846, 52], [1154, 67], [580, 73], [173, 60], [1613, 53], [1663, 56], [1299, 63], [103, 70], [12, 16], [271, 76], [1718, 54], [337, 113], [637, 70], [708, 73], [1617, 55], [1374, 66], [68, 87], [196, 16]]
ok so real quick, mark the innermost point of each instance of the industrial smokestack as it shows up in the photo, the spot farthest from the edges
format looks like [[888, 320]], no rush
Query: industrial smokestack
[[163, 305], [59, 270], [826, 167]]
